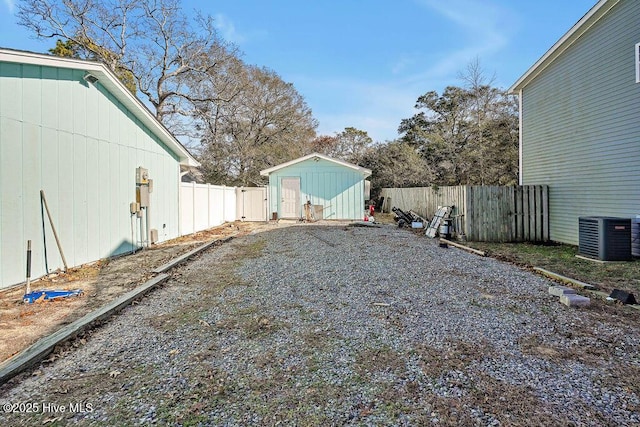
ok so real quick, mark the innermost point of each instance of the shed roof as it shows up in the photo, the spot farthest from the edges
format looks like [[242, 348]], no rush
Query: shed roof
[[111, 83], [366, 172], [582, 26]]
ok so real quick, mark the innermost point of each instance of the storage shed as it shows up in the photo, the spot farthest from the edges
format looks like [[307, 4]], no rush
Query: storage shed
[[71, 130], [334, 188]]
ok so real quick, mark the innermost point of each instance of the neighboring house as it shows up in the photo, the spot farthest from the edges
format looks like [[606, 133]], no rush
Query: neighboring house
[[71, 128], [335, 187], [580, 119]]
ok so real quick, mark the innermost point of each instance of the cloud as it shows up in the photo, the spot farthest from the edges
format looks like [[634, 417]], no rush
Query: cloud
[[482, 30], [228, 29], [402, 64], [376, 108], [11, 5], [486, 28]]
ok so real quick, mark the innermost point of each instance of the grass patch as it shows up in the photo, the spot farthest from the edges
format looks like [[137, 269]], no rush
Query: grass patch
[[208, 388], [222, 277], [509, 404], [384, 359], [249, 250], [457, 357], [561, 259], [251, 325]]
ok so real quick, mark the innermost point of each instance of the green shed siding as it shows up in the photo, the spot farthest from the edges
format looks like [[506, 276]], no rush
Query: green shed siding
[[80, 145], [339, 189], [581, 127]]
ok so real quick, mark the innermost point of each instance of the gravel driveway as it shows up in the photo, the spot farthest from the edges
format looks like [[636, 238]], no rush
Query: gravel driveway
[[335, 325]]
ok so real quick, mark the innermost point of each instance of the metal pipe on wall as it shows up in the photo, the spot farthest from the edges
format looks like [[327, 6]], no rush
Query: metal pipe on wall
[[28, 267], [148, 227]]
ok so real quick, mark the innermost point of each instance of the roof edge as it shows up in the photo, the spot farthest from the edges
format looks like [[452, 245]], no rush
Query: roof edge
[[33, 58], [366, 172], [594, 14]]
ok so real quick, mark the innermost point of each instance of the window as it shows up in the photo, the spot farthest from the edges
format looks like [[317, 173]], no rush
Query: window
[[637, 62]]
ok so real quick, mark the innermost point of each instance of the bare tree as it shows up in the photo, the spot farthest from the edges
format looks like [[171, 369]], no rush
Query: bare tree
[[324, 144], [264, 122], [151, 39]]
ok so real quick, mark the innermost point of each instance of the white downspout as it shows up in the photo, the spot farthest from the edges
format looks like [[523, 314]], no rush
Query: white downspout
[[180, 175]]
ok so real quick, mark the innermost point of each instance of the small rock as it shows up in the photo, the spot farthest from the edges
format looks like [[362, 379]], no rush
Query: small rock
[[572, 300], [561, 290]]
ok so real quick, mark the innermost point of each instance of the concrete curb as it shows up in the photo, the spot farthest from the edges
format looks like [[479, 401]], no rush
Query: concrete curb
[[41, 348], [564, 279], [463, 247], [182, 258]]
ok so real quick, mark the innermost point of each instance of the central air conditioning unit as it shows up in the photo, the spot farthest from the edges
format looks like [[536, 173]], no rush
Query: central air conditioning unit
[[605, 238]]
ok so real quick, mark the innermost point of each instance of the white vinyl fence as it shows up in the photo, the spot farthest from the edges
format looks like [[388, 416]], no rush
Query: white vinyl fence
[[251, 203], [203, 206]]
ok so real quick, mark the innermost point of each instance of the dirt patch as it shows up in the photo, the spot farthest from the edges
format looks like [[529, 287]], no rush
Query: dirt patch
[[375, 360], [101, 282]]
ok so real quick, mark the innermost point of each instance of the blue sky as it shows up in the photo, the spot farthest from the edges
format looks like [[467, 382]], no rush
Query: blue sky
[[363, 63]]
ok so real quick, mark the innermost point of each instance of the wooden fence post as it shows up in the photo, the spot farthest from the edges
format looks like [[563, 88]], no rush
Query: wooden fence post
[[546, 236]]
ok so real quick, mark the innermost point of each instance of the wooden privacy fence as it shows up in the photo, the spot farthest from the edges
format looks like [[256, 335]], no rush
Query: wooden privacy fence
[[482, 213]]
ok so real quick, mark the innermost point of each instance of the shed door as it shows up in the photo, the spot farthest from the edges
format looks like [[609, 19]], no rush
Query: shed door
[[290, 201]]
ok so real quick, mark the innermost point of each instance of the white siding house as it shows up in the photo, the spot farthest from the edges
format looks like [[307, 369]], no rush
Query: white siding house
[[579, 126], [79, 139]]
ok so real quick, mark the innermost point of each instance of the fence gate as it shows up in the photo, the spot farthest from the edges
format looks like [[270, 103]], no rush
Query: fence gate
[[251, 203]]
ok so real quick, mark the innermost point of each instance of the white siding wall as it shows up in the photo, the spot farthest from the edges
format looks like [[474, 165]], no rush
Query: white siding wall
[[581, 133], [81, 146]]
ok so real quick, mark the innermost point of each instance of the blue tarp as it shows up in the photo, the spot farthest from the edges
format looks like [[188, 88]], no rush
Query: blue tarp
[[48, 295]]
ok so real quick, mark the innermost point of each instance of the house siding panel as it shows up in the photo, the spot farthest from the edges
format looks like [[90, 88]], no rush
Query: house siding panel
[[339, 189], [32, 94], [81, 147], [581, 135], [11, 89], [49, 97], [13, 242]]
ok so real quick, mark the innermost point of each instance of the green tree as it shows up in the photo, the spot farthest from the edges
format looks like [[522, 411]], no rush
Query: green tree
[[468, 135], [352, 144], [348, 145], [72, 49], [396, 164], [66, 49]]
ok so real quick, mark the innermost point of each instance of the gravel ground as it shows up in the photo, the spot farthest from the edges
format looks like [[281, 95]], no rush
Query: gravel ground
[[334, 325]]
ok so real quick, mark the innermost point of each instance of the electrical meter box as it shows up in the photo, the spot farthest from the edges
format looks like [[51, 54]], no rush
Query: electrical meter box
[[142, 176]]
